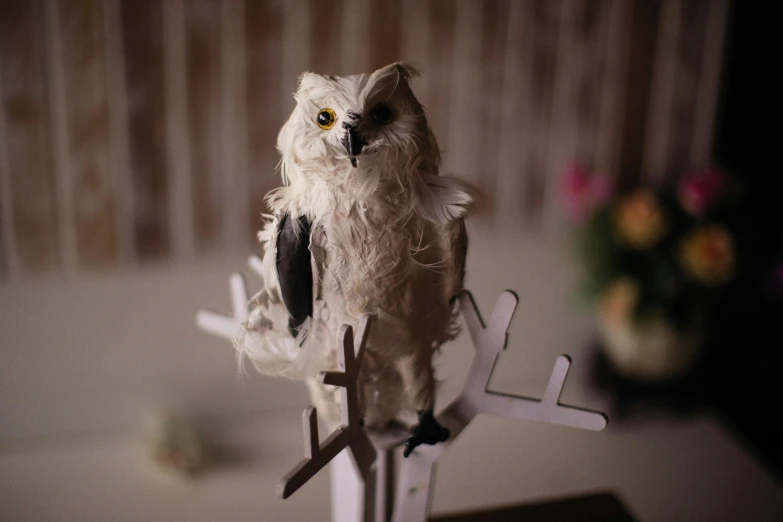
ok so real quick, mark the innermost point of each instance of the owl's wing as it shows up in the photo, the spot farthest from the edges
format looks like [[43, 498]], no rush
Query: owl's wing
[[294, 270], [284, 334]]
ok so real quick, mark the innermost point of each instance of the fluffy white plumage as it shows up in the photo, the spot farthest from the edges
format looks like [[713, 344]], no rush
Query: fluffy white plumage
[[386, 237]]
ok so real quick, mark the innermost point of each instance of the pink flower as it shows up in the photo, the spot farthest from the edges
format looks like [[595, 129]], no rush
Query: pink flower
[[584, 192], [699, 190]]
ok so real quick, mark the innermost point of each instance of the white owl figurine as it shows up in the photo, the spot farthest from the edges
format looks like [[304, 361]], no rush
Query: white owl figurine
[[364, 223]]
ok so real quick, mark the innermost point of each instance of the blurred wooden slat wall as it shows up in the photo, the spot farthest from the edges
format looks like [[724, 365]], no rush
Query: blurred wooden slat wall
[[142, 31], [138, 130], [82, 63], [31, 236], [263, 37], [202, 44]]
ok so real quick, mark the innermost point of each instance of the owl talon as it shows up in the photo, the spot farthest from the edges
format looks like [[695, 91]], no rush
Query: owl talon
[[427, 431]]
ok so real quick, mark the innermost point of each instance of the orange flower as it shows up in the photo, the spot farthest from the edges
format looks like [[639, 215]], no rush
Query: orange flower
[[618, 301], [707, 254], [639, 219]]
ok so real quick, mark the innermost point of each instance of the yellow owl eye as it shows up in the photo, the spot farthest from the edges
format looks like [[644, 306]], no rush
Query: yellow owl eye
[[326, 119]]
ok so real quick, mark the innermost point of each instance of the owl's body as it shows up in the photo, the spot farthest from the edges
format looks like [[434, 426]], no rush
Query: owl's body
[[382, 233]]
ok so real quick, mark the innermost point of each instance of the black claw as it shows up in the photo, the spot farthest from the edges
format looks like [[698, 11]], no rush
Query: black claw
[[409, 446], [427, 431]]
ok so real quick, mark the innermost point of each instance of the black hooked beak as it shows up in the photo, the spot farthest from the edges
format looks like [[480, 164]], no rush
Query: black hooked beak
[[353, 142]]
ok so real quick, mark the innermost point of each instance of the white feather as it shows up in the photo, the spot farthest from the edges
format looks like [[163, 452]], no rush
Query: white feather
[[440, 199]]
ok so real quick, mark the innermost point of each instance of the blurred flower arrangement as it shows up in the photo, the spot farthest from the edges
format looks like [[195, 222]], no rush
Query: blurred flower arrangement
[[655, 263]]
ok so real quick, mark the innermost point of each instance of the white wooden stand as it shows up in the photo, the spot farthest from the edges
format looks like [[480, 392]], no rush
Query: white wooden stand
[[362, 467]]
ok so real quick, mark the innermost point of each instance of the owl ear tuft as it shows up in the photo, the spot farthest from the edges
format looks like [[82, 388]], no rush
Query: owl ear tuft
[[307, 81], [404, 70], [407, 70]]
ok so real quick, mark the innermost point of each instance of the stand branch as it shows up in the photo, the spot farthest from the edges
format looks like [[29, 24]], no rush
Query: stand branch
[[350, 434], [223, 326], [414, 493]]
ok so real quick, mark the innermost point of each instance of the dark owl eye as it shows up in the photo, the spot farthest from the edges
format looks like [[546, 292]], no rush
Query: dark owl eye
[[326, 118], [381, 114]]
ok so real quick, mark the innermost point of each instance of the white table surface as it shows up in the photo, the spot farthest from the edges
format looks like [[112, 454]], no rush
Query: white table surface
[[82, 359], [661, 470]]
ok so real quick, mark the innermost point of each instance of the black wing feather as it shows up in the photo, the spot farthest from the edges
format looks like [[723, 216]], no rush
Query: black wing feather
[[294, 271]]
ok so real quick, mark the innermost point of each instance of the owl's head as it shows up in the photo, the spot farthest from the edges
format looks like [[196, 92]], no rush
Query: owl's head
[[364, 126]]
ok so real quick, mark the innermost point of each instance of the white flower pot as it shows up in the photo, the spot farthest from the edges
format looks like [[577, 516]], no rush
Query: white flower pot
[[647, 351]]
